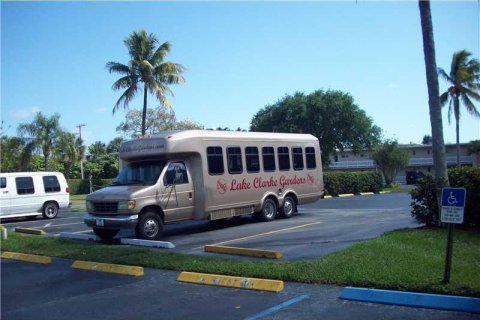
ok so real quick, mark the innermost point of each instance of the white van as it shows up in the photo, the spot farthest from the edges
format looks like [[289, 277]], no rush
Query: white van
[[33, 193], [196, 175]]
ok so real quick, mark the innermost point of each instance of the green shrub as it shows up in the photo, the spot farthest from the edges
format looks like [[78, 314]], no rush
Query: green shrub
[[352, 182], [79, 186], [425, 206]]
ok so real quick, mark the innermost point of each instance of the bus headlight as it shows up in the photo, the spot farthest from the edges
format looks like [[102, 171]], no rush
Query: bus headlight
[[89, 206], [127, 205]]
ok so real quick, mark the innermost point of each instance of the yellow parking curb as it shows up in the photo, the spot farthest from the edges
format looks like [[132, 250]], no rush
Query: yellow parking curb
[[30, 231], [346, 195], [107, 267], [244, 251], [231, 281], [366, 193], [26, 257]]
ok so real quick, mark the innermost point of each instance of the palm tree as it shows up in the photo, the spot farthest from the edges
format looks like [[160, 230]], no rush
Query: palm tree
[[438, 145], [464, 81], [70, 150], [146, 66], [42, 133]]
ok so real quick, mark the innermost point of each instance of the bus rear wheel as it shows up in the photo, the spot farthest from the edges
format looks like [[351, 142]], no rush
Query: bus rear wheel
[[269, 210], [288, 207]]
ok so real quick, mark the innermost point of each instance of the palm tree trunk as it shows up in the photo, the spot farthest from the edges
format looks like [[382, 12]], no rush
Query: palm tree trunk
[[438, 145], [457, 127], [144, 113]]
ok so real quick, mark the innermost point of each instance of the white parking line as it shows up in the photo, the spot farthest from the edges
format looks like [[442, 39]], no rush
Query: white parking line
[[32, 221], [49, 225]]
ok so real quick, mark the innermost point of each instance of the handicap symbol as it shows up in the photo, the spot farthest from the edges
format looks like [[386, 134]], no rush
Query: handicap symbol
[[451, 199]]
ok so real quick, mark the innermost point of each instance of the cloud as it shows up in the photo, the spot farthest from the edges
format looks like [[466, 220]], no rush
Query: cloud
[[100, 110], [24, 113], [392, 86]]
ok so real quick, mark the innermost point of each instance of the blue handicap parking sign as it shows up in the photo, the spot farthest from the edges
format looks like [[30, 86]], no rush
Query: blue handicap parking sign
[[453, 205], [453, 197]]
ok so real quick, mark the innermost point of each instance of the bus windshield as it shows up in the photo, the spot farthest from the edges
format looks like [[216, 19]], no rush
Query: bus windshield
[[144, 173]]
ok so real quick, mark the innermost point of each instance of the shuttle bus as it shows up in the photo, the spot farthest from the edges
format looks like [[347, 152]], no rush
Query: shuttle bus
[[206, 175]]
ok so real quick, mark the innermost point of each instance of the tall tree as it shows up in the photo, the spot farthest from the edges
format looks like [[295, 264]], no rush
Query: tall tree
[[331, 116], [148, 68], [427, 139], [464, 81], [16, 154], [390, 159], [69, 151], [42, 132], [438, 145]]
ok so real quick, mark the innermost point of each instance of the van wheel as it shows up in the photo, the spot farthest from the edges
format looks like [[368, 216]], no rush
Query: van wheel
[[149, 226], [105, 234], [50, 210], [269, 210], [288, 207]]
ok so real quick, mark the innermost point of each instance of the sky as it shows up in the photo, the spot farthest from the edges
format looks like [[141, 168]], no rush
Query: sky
[[240, 57]]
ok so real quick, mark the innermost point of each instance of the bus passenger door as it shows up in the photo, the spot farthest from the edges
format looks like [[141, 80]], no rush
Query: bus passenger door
[[178, 194]]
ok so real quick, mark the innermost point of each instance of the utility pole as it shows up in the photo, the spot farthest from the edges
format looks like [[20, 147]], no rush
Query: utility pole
[[80, 135]]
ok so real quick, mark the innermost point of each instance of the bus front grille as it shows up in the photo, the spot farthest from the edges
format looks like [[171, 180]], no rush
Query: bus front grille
[[106, 206]]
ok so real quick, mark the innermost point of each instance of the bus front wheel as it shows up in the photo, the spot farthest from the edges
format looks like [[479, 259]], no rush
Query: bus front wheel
[[269, 210]]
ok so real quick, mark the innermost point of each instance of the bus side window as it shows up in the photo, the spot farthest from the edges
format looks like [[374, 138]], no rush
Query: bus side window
[[268, 157], [252, 159], [283, 159], [310, 155], [215, 160], [297, 154], [234, 159]]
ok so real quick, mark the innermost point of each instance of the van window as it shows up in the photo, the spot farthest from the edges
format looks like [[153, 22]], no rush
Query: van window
[[24, 185], [51, 184], [268, 157], [176, 174], [297, 158], [234, 159], [215, 160], [283, 159], [310, 155], [253, 161], [3, 183]]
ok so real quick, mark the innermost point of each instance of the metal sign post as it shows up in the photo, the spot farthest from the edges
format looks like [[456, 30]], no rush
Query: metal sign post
[[453, 205]]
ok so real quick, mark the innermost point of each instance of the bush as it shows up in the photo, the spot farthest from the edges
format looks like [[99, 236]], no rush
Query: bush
[[79, 186], [352, 182], [424, 204]]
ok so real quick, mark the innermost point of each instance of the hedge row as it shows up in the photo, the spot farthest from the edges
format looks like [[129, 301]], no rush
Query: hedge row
[[79, 186], [424, 204], [352, 182]]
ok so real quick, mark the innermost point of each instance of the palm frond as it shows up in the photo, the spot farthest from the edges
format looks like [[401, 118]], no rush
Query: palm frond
[[470, 106], [126, 97], [444, 75], [162, 51], [140, 45], [170, 73], [125, 82], [471, 93], [117, 68], [444, 98]]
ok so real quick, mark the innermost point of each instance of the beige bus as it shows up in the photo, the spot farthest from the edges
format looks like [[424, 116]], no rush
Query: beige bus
[[201, 174]]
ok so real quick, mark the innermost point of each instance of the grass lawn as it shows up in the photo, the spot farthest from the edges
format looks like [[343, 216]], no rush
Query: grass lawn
[[78, 202], [410, 260]]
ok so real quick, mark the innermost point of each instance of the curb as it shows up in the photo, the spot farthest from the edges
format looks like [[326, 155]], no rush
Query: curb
[[26, 257], [366, 193], [231, 281], [244, 252], [107, 267], [413, 299], [78, 236], [148, 243], [30, 231], [382, 192], [327, 197], [346, 195]]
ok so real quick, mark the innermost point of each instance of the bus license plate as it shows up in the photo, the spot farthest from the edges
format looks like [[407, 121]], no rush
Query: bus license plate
[[99, 222]]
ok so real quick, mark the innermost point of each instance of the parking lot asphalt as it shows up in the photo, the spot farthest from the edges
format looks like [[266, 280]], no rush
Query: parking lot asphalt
[[318, 228], [56, 291]]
